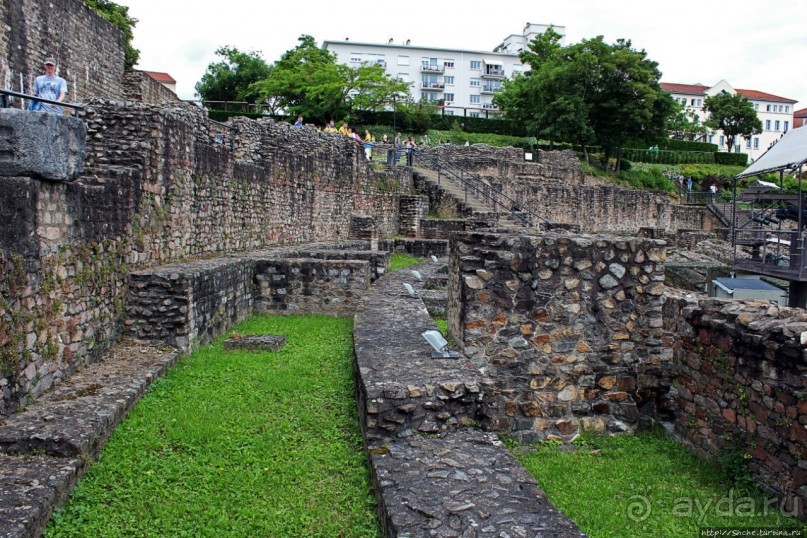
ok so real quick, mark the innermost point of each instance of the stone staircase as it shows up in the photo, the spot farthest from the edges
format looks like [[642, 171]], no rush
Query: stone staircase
[[473, 203]]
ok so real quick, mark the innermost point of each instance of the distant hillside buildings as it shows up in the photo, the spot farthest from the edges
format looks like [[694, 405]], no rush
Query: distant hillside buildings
[[775, 113], [463, 82]]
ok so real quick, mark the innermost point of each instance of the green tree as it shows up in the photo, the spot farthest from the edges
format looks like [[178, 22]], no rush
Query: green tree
[[684, 124], [308, 81], [733, 114], [119, 17], [231, 78], [590, 93]]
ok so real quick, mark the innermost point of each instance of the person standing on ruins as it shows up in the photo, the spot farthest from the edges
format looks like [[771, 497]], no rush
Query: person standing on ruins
[[49, 86]]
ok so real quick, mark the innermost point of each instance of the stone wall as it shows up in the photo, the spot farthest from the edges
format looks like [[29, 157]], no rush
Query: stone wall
[[138, 86], [307, 285], [156, 190], [553, 187], [412, 210], [184, 305], [741, 388], [89, 50], [508, 163], [569, 327], [607, 208]]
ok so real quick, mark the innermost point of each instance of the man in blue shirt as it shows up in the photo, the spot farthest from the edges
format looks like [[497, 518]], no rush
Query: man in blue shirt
[[49, 86]]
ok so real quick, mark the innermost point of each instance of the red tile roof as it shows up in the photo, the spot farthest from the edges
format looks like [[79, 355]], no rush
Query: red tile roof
[[800, 113], [161, 77], [700, 89], [689, 89], [762, 96]]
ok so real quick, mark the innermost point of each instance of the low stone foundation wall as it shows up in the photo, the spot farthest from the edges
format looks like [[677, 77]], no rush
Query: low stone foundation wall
[[434, 473], [184, 305], [441, 228], [421, 248], [569, 327], [305, 285], [741, 388]]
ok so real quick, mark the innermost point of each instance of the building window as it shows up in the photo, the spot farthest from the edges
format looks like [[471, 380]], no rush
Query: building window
[[473, 114], [756, 107], [355, 58], [781, 108], [767, 125], [476, 82], [767, 108], [449, 112], [449, 80], [711, 139], [722, 140], [748, 144], [787, 125], [475, 99], [776, 125], [787, 108], [448, 64], [756, 142], [476, 65], [449, 97], [403, 60]]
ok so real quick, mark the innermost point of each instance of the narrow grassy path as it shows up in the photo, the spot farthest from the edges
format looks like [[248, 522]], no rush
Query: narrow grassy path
[[238, 444], [646, 485]]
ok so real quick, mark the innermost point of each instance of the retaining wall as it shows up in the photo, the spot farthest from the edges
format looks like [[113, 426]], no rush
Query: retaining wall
[[741, 389], [157, 189]]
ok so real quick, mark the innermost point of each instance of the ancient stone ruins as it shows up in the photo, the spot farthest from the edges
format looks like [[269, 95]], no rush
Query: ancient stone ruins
[[137, 231]]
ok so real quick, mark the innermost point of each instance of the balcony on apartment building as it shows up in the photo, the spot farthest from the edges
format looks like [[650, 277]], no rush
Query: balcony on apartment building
[[490, 89], [432, 86], [493, 71], [432, 68], [489, 106]]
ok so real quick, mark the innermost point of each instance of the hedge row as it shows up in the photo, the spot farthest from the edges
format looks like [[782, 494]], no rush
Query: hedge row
[[732, 159]]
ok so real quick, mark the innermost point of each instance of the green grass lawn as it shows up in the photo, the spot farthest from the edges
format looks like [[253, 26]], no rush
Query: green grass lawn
[[644, 486], [400, 260], [253, 444]]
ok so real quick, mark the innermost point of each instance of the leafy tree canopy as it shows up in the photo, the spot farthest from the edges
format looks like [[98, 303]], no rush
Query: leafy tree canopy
[[119, 17], [231, 78], [590, 93], [684, 124], [308, 81], [733, 114]]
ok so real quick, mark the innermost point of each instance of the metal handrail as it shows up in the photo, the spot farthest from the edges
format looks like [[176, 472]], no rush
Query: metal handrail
[[35, 98], [473, 183]]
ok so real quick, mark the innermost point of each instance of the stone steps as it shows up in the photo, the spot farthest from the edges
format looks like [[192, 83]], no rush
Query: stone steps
[[477, 206], [49, 445]]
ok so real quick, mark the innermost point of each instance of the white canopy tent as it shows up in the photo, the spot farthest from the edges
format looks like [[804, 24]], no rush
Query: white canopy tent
[[789, 153]]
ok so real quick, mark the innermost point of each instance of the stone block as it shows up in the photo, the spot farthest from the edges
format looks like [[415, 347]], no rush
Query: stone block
[[41, 145]]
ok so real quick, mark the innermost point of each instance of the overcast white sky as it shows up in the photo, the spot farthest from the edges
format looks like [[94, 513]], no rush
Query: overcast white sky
[[751, 44]]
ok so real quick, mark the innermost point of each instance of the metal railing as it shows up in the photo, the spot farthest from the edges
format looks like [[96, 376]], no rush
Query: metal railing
[[221, 133], [5, 94], [472, 184]]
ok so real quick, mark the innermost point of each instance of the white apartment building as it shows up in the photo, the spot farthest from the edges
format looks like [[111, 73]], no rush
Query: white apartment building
[[775, 113], [462, 81]]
